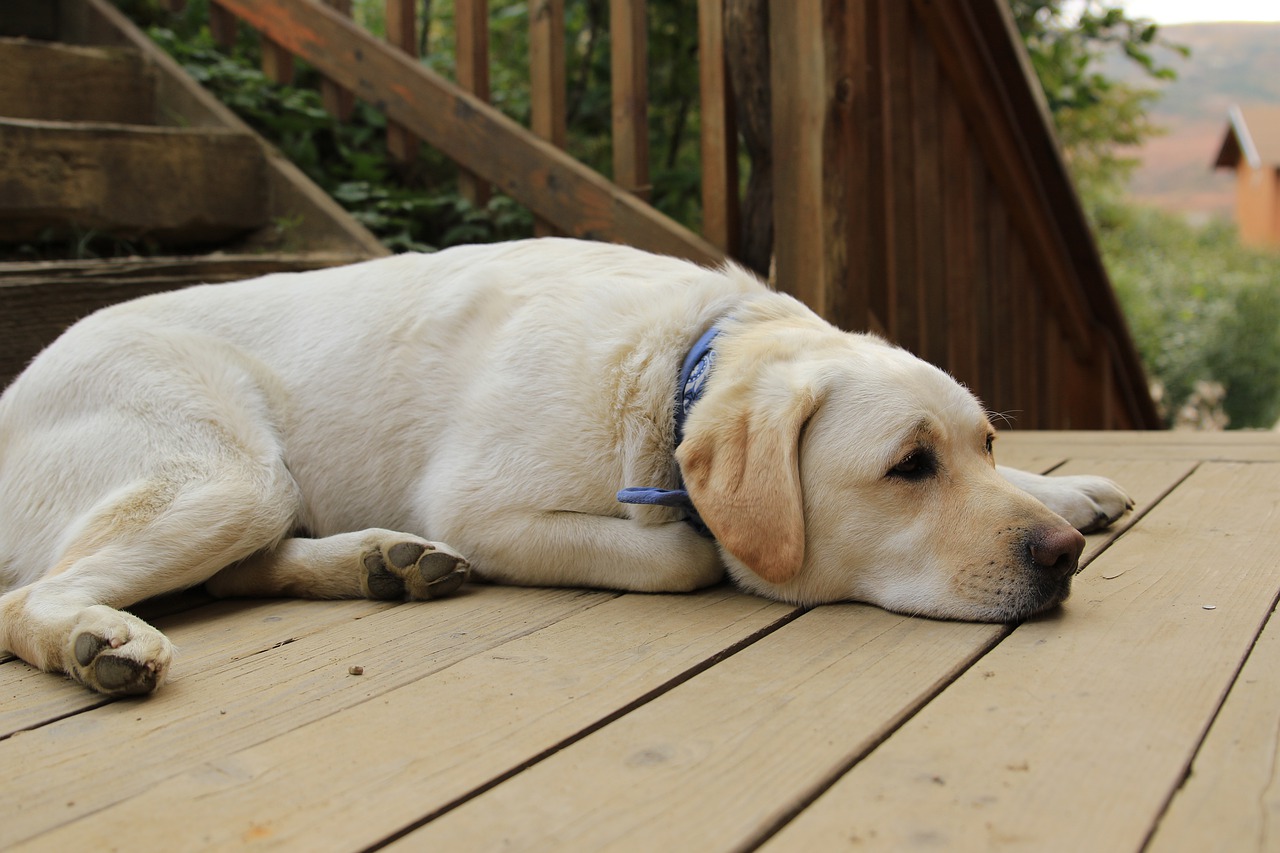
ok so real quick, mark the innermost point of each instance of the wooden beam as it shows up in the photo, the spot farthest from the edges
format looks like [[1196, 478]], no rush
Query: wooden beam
[[471, 26], [555, 186], [719, 137], [629, 62]]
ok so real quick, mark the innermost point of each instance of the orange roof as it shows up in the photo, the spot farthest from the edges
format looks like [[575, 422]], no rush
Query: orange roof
[[1253, 135]]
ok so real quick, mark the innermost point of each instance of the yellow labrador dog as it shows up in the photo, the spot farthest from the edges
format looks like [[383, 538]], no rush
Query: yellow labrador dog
[[558, 412]]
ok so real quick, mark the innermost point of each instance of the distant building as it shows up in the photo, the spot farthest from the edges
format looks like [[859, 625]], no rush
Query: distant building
[[1251, 147]]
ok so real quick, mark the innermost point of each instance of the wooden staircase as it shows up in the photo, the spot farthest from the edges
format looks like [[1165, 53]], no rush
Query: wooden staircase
[[108, 148]]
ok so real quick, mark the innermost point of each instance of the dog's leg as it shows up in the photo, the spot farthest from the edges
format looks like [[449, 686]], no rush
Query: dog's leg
[[578, 549], [1087, 502], [158, 535], [366, 564]]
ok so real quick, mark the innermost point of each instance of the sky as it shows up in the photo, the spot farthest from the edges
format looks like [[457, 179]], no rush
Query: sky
[[1195, 11]]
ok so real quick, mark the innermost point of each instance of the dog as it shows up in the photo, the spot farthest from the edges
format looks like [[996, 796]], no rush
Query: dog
[[558, 412]]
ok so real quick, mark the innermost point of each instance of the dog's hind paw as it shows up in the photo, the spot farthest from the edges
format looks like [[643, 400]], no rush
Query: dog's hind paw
[[117, 653], [401, 566]]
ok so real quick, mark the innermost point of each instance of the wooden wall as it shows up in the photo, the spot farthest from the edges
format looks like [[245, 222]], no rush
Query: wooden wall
[[920, 194]]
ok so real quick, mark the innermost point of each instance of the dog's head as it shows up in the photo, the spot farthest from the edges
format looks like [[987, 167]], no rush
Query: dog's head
[[836, 467]]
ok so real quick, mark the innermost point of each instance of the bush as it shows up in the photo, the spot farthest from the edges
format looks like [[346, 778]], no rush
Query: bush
[[1201, 308]]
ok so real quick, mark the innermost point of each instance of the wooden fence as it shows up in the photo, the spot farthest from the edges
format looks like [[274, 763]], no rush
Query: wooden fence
[[917, 187]]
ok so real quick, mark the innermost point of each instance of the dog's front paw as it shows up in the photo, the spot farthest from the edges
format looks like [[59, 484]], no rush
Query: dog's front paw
[[1087, 502], [400, 566], [117, 653]]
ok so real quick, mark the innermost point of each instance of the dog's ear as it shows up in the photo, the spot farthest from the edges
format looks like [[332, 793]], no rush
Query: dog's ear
[[741, 467]]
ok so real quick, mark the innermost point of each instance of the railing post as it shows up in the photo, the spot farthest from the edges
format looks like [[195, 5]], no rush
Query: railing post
[[222, 26], [719, 138], [339, 102], [277, 63], [547, 78], [816, 87], [402, 32], [471, 24], [629, 61]]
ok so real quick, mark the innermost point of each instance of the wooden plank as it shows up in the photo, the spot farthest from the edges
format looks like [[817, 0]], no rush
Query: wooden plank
[[929, 159], [38, 301], [1026, 329], [1232, 796], [386, 764], [958, 244], [470, 132], [59, 82], [471, 27], [718, 133], [209, 715], [964, 57], [701, 768], [402, 33], [870, 246], [1241, 446], [167, 184], [901, 232], [1000, 394], [208, 637], [1057, 721], [987, 347], [315, 222], [629, 64]]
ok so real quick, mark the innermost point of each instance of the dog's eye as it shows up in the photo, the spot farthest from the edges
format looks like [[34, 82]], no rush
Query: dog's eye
[[916, 465], [991, 441]]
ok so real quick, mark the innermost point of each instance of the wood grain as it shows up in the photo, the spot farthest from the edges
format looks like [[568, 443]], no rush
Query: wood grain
[[414, 750], [1063, 712]]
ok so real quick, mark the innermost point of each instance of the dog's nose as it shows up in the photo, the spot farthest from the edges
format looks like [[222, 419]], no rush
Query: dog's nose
[[1057, 550]]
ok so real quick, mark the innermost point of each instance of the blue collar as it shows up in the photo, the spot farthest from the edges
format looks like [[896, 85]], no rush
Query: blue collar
[[692, 383]]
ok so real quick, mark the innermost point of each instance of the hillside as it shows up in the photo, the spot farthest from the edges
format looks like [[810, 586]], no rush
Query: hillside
[[1229, 63]]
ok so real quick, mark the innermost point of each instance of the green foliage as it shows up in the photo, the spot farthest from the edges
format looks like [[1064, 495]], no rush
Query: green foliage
[[1094, 113], [1200, 307], [419, 207], [411, 208]]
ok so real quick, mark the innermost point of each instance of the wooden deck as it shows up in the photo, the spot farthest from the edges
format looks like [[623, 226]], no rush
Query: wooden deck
[[569, 720]]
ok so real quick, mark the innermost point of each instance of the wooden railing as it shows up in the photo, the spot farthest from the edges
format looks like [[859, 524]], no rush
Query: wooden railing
[[917, 187]]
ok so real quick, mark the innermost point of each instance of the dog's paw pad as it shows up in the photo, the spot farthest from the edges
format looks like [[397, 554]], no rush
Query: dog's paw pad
[[442, 573], [414, 569], [379, 581], [119, 655]]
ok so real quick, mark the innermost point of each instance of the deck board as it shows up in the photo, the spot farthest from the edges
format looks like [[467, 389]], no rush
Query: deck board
[[1095, 711], [568, 719], [1231, 801]]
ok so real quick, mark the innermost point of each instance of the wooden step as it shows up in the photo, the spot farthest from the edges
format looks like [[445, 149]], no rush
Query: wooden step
[[174, 186], [39, 299], [58, 82]]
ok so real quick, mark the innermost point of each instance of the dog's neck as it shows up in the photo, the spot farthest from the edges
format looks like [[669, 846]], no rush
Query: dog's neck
[[689, 389], [693, 377]]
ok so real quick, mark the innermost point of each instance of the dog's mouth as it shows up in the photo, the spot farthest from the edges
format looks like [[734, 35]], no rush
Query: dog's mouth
[[1042, 596]]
